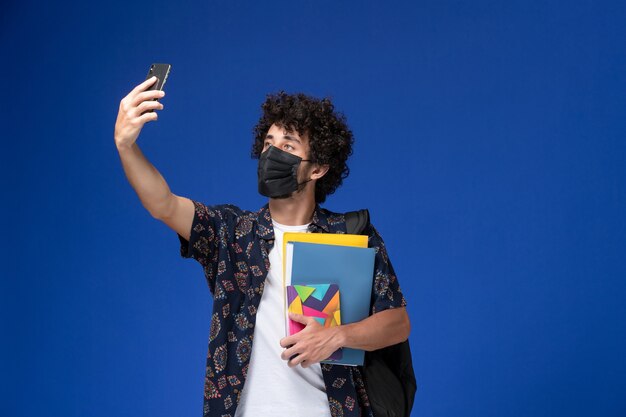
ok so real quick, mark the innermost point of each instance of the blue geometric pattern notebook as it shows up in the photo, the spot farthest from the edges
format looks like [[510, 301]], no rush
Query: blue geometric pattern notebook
[[351, 268]]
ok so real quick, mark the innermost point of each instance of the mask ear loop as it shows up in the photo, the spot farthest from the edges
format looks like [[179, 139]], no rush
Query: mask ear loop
[[301, 184]]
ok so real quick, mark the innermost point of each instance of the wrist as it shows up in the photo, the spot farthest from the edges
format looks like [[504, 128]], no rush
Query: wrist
[[341, 336], [123, 147]]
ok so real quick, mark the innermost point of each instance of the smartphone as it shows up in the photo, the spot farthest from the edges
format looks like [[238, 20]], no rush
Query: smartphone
[[161, 71]]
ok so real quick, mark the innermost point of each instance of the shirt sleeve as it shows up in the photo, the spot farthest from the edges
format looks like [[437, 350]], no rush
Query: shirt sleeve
[[386, 291], [209, 231]]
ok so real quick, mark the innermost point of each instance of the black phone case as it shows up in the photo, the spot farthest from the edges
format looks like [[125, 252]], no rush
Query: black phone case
[[161, 71]]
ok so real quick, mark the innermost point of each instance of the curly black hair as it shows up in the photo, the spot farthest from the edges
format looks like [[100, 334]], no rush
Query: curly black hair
[[330, 139]]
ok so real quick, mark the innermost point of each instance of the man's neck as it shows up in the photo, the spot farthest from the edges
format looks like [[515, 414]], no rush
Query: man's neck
[[293, 211]]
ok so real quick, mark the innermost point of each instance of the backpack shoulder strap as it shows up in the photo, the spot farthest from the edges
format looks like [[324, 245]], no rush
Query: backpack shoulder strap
[[357, 221], [389, 376]]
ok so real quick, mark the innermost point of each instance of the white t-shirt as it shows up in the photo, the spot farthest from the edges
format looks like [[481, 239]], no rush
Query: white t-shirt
[[272, 388]]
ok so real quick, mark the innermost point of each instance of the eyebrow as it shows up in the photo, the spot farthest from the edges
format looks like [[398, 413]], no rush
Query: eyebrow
[[288, 137]]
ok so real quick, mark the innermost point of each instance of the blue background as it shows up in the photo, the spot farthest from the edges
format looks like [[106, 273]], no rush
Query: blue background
[[490, 149]]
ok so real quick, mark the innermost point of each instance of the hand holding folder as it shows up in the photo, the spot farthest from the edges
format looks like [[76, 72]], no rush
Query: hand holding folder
[[351, 268]]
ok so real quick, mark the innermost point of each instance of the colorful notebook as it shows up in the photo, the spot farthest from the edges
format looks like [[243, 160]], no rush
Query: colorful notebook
[[322, 302], [350, 268]]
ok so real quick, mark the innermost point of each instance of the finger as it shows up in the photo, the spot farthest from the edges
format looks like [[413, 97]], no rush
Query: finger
[[295, 361], [289, 340], [289, 353], [147, 95], [148, 105], [147, 117], [144, 85], [300, 318]]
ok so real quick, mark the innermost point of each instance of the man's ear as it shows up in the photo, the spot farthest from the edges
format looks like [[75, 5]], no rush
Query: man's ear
[[319, 171]]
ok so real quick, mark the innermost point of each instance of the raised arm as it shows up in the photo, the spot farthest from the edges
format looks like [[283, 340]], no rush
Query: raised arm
[[155, 195]]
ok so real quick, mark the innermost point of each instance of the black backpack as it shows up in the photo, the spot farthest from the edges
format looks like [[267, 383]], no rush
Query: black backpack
[[388, 372]]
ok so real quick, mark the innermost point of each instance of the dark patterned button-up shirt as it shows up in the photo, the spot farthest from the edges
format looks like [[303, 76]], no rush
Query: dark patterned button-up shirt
[[232, 245]]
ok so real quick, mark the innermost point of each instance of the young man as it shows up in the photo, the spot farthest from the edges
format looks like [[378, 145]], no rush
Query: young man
[[252, 369]]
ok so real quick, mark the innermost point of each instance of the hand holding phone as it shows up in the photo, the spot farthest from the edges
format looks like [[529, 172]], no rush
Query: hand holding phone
[[137, 108]]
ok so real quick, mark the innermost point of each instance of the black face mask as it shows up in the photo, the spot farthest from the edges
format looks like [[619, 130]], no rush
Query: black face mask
[[278, 173]]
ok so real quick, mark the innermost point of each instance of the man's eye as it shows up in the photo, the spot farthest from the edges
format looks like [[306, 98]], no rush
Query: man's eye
[[288, 147]]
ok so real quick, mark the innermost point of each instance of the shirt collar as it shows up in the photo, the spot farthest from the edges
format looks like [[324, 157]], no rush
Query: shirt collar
[[265, 229], [319, 221]]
